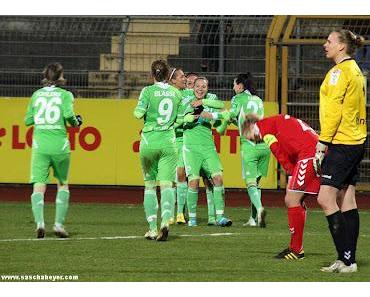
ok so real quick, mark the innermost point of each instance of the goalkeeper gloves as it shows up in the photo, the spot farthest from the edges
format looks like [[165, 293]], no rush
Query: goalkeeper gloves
[[79, 120], [269, 139], [319, 157]]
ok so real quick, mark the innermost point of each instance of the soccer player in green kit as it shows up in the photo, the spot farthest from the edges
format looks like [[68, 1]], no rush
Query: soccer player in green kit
[[158, 105], [178, 80], [204, 172], [200, 151], [255, 157], [50, 108]]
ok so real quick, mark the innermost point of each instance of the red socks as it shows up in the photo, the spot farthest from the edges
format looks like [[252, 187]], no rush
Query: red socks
[[296, 219]]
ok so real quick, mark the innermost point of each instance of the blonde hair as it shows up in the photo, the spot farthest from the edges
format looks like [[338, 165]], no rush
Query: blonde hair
[[352, 40], [201, 78]]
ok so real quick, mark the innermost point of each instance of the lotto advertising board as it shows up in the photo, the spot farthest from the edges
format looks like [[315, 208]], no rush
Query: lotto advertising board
[[105, 149]]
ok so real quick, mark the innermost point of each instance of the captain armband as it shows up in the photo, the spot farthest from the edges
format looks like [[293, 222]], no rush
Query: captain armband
[[269, 139]]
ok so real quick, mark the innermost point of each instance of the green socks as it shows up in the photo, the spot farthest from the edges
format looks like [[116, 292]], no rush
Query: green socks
[[210, 204], [151, 208], [37, 202], [218, 197], [254, 209], [182, 189], [192, 201], [61, 206], [167, 204], [255, 197]]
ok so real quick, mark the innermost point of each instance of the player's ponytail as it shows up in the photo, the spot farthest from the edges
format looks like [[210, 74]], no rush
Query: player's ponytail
[[247, 80], [53, 75], [160, 70], [352, 40], [359, 41]]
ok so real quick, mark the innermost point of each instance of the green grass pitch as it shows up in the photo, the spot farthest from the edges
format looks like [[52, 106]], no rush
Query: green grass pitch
[[107, 244]]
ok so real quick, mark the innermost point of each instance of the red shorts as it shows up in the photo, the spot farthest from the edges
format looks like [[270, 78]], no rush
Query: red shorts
[[304, 178]]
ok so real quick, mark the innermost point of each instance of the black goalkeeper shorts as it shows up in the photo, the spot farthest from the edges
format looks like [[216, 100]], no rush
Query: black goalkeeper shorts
[[340, 165]]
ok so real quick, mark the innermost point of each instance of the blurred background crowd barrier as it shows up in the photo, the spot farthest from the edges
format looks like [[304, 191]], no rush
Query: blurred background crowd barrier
[[110, 57]]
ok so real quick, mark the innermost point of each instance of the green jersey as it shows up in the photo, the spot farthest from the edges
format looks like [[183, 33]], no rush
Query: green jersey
[[200, 131], [187, 96], [49, 110], [158, 103], [242, 104]]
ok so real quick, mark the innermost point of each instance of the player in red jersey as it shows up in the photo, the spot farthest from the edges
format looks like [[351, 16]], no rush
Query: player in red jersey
[[293, 143]]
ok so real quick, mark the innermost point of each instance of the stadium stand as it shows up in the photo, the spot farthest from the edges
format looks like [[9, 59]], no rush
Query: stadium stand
[[109, 56]]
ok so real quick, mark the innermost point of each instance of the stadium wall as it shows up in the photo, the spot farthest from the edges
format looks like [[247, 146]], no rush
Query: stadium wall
[[105, 149]]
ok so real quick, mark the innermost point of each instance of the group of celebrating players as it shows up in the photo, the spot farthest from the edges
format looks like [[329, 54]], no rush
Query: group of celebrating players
[[178, 117], [177, 148], [182, 143]]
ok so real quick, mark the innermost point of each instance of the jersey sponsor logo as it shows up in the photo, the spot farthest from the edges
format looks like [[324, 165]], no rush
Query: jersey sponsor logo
[[334, 77], [360, 121]]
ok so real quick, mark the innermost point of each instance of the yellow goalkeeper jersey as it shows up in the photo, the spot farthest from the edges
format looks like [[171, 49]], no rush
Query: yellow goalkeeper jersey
[[343, 105]]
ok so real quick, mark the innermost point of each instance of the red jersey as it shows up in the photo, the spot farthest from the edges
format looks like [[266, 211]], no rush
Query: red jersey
[[296, 140], [294, 149]]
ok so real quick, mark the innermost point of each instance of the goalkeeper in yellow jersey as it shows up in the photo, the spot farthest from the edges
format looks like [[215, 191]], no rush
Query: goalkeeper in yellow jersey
[[341, 145]]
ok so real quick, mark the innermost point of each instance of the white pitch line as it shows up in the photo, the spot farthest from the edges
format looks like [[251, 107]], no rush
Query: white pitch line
[[142, 237], [110, 237]]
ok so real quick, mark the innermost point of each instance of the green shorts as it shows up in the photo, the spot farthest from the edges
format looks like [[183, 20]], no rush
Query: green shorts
[[180, 157], [158, 164], [197, 157], [255, 160], [41, 163]]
